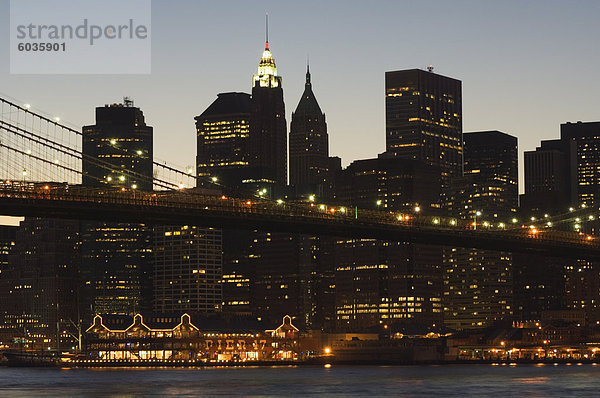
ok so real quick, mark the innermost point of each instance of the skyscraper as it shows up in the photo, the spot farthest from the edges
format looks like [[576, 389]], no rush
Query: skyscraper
[[309, 144], [550, 177], [423, 119], [187, 269], [116, 257], [490, 182], [268, 130], [7, 242], [587, 143], [478, 284], [388, 183], [118, 148], [582, 276], [222, 136], [381, 282], [41, 282]]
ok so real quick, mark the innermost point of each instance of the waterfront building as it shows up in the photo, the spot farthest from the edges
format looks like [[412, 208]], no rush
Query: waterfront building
[[190, 338], [116, 257]]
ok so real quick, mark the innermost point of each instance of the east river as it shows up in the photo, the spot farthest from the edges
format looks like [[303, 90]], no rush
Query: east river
[[341, 381]]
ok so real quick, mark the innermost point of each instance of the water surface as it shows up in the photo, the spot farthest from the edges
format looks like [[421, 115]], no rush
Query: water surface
[[338, 381]]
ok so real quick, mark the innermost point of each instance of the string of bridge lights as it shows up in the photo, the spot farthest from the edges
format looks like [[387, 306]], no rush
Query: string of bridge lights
[[534, 225]]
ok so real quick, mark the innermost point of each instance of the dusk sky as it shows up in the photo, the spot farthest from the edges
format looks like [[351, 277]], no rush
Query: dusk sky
[[526, 66]]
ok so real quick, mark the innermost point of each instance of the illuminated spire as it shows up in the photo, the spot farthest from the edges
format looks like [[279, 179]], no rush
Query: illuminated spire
[[266, 31], [267, 71], [307, 71]]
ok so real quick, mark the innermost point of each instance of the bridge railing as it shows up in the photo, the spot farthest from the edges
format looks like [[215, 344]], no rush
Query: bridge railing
[[298, 210]]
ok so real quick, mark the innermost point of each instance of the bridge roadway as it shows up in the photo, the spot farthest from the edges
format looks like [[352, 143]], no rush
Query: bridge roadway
[[185, 208]]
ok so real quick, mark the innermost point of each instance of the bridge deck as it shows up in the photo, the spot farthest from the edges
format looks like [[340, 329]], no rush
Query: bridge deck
[[181, 208]]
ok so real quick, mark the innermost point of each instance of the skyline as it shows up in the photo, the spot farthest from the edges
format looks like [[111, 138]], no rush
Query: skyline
[[533, 95]]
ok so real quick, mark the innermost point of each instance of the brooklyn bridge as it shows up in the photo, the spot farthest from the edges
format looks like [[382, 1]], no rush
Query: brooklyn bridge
[[41, 176]]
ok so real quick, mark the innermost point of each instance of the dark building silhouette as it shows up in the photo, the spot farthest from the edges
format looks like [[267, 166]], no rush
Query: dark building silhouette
[[379, 282], [490, 182], [586, 137], [309, 145], [187, 269], [223, 132], [478, 284], [583, 277], [118, 148], [539, 285], [268, 129], [7, 241], [238, 273], [116, 257], [282, 265], [388, 183], [39, 286], [423, 119], [550, 177]]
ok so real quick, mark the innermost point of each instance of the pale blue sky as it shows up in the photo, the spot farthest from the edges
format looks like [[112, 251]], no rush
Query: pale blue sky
[[526, 66]]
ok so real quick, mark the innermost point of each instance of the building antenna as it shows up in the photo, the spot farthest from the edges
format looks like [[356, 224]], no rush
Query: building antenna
[[307, 69], [267, 30]]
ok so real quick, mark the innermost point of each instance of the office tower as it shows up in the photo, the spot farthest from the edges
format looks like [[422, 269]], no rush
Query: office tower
[[423, 119], [116, 257], [583, 277], [187, 269], [539, 285], [550, 177], [268, 129], [586, 137], [237, 272], [490, 179], [222, 136], [582, 288], [40, 284], [478, 284], [491, 158], [309, 144], [118, 148], [379, 282], [281, 282], [7, 241], [388, 183]]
